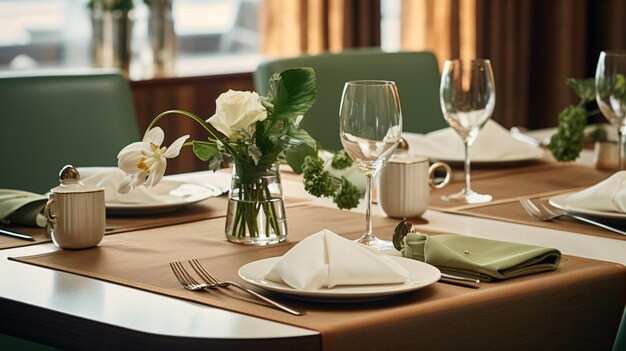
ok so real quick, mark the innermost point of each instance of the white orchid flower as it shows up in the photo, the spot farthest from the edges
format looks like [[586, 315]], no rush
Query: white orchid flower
[[145, 161]]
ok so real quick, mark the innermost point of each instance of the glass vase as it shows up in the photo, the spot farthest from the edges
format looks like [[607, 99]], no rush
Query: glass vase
[[256, 211]]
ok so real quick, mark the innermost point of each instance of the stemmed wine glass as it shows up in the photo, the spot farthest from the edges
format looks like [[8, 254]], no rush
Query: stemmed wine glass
[[370, 126], [468, 96], [611, 93]]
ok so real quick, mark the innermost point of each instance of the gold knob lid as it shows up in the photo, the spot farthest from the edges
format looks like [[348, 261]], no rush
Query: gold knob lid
[[69, 175]]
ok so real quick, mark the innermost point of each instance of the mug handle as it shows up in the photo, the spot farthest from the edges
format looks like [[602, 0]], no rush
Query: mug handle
[[52, 219], [431, 174]]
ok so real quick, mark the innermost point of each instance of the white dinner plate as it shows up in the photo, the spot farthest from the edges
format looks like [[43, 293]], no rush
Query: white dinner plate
[[560, 202], [175, 194], [421, 275]]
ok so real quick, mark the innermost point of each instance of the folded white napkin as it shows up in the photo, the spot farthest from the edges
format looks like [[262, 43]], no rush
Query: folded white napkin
[[494, 143], [608, 195], [325, 260], [110, 179]]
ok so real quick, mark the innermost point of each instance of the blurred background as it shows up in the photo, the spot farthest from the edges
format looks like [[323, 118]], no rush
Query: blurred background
[[183, 53]]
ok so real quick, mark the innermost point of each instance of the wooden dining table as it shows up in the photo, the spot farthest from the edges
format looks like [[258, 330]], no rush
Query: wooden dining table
[[72, 300]]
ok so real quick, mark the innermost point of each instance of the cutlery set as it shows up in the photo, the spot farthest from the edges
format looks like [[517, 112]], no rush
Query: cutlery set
[[16, 235], [210, 282], [27, 237], [544, 213]]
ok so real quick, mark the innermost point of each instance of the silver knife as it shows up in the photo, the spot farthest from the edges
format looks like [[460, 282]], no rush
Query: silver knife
[[458, 280], [590, 221], [16, 235]]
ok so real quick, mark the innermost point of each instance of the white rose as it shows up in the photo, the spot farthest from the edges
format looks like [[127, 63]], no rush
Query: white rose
[[236, 112]]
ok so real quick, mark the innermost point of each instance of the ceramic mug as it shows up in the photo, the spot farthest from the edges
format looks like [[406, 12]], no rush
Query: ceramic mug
[[405, 183], [76, 219]]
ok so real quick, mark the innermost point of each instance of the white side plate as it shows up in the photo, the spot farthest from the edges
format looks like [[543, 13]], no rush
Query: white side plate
[[174, 194]]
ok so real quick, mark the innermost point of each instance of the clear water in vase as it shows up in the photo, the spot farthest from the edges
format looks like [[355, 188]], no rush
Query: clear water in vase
[[256, 211]]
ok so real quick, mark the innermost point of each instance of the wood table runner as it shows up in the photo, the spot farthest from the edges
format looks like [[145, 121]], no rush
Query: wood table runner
[[210, 208], [577, 306], [538, 182]]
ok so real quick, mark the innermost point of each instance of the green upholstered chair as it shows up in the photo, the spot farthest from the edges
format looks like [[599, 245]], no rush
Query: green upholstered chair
[[415, 73], [49, 121], [620, 340]]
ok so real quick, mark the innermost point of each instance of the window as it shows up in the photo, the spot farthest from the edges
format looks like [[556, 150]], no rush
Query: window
[[57, 33]]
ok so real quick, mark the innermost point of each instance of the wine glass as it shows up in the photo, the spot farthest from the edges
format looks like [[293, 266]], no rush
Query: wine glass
[[468, 96], [370, 124], [611, 93]]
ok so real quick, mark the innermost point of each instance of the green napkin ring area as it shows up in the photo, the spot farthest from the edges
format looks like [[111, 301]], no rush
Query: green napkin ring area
[[481, 258]]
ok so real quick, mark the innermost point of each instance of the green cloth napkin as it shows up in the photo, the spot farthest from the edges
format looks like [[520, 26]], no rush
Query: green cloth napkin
[[480, 258], [22, 207]]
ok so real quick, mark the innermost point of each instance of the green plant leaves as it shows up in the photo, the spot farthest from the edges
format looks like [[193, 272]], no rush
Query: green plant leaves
[[295, 156], [317, 181], [341, 160], [567, 143], [208, 151], [584, 88], [298, 135], [348, 195], [620, 85], [295, 93]]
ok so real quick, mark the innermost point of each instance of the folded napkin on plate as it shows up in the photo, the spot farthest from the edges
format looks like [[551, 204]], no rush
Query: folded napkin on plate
[[494, 143], [325, 260], [22, 207], [481, 258], [110, 179], [608, 195]]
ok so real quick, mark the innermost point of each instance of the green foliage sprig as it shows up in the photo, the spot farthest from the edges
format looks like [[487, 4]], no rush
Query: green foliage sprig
[[320, 183], [341, 160], [567, 143], [348, 195]]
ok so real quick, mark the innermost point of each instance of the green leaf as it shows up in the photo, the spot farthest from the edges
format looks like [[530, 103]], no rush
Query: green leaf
[[300, 136], [567, 143], [619, 87], [296, 155], [348, 195], [317, 181], [584, 88], [341, 160], [215, 163], [208, 151], [295, 93]]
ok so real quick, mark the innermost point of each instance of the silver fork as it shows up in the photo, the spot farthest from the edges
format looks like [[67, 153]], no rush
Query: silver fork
[[214, 283], [550, 214], [185, 279]]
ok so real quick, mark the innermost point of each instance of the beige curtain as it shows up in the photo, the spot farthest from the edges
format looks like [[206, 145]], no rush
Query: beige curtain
[[294, 27], [445, 27]]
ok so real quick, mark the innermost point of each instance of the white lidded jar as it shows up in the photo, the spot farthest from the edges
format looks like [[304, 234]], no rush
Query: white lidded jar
[[75, 212]]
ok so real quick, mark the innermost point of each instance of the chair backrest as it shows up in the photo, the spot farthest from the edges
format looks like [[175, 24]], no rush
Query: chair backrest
[[49, 121], [415, 73]]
